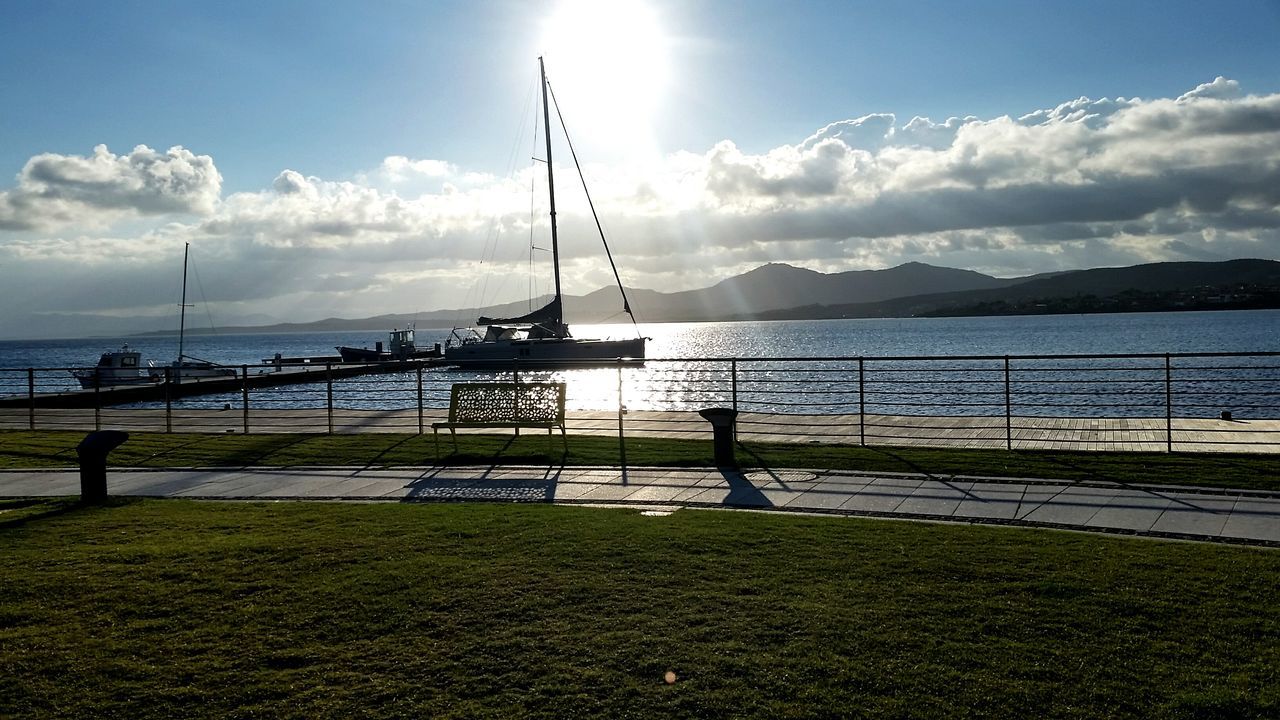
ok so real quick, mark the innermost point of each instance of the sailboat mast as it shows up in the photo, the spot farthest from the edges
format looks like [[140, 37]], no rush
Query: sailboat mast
[[182, 314], [551, 180]]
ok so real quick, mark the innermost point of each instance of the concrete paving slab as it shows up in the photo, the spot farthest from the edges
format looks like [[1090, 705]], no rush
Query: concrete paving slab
[[569, 491], [825, 496], [1036, 495], [877, 497], [157, 483], [940, 498], [1131, 510], [1074, 505], [991, 500], [1188, 514], [41, 484], [612, 492], [655, 493], [1254, 519]]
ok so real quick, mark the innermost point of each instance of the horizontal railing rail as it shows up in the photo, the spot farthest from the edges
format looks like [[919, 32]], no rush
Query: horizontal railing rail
[[1220, 401]]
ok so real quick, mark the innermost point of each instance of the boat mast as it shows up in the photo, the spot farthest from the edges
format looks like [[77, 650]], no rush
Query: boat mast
[[182, 314], [551, 188]]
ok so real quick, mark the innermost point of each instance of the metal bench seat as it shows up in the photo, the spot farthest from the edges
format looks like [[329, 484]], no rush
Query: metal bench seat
[[504, 405]]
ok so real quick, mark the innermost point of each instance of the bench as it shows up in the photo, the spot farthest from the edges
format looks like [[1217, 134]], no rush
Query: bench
[[504, 405]]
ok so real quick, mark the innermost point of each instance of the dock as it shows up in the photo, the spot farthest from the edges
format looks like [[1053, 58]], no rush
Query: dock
[[251, 377]]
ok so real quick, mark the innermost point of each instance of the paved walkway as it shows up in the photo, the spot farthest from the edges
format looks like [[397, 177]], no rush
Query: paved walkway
[[1170, 512]]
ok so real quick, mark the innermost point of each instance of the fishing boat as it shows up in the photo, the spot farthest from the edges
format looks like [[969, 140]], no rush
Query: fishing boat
[[401, 346], [118, 367], [542, 337]]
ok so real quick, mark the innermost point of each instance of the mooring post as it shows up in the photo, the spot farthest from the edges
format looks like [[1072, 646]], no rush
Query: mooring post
[[733, 381], [622, 435], [1008, 408], [31, 398], [1168, 403], [168, 401], [244, 396], [862, 405], [419, 399], [328, 391]]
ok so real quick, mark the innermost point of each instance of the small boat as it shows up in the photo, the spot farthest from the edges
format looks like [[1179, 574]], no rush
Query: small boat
[[120, 367], [402, 347], [124, 366], [541, 337]]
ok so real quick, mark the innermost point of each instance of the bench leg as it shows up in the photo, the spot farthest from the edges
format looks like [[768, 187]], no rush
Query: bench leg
[[435, 435], [454, 434]]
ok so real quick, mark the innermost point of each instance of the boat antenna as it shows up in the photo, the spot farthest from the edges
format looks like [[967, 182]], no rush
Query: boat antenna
[[626, 304], [551, 184]]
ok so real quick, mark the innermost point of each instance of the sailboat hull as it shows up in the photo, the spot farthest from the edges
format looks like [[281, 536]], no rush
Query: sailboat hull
[[547, 352]]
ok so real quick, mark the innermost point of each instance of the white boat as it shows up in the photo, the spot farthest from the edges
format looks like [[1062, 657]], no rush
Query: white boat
[[541, 337], [119, 367]]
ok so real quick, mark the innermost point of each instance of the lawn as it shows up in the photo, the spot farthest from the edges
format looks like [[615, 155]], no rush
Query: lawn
[[25, 449], [163, 609]]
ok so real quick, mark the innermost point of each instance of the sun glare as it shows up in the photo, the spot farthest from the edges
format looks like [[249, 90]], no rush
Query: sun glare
[[607, 63]]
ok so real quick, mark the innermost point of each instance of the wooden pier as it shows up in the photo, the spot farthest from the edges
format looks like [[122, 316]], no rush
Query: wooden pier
[[250, 377]]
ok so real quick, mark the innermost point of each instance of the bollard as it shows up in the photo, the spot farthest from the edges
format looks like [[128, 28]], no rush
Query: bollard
[[722, 428], [92, 451]]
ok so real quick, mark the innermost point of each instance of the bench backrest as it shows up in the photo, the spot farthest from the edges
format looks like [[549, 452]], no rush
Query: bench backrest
[[507, 402]]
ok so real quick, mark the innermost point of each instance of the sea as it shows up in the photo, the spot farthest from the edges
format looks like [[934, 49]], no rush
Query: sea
[[1118, 333], [691, 345]]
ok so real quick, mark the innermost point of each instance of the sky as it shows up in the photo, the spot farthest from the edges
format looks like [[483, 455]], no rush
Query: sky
[[355, 159]]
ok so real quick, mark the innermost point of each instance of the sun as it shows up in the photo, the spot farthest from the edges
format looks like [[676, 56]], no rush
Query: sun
[[607, 61]]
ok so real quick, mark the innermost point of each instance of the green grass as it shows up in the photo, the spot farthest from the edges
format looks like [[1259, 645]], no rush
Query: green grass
[[163, 609], [44, 449]]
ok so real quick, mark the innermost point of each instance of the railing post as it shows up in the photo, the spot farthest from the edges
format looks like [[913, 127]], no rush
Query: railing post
[[622, 437], [97, 399], [244, 396], [328, 393], [419, 399], [31, 398], [168, 401], [862, 405], [1168, 403], [733, 381], [1008, 408]]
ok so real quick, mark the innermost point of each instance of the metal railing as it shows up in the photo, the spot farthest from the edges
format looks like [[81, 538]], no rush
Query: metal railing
[[1164, 402]]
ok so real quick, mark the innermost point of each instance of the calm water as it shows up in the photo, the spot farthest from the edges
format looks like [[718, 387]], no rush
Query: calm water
[[903, 388], [1226, 331]]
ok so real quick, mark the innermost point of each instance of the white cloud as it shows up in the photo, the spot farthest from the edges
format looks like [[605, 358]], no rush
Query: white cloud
[[1085, 183], [57, 190]]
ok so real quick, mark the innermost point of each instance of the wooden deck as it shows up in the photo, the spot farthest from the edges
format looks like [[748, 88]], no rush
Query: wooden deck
[[1062, 433]]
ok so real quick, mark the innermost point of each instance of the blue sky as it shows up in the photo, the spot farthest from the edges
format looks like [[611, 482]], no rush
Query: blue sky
[[331, 91]]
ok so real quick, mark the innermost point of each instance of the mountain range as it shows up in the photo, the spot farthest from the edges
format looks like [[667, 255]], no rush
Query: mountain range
[[783, 292]]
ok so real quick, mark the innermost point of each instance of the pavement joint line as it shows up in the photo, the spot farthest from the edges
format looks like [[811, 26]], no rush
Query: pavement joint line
[[705, 488]]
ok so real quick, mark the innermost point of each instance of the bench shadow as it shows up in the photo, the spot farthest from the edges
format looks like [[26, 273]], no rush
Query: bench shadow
[[435, 485]]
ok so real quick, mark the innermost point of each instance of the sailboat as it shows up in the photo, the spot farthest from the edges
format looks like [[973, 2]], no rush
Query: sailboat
[[541, 337], [185, 366], [124, 366]]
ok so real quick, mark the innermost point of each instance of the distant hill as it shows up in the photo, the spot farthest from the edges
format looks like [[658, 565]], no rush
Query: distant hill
[[778, 287], [1181, 284]]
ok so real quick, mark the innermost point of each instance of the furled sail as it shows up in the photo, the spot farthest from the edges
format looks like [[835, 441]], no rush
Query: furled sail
[[549, 314]]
